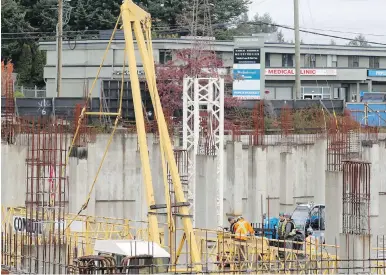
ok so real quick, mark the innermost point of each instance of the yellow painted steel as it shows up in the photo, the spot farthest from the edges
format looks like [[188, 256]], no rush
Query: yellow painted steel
[[140, 27], [130, 13], [218, 250], [102, 113], [134, 18]]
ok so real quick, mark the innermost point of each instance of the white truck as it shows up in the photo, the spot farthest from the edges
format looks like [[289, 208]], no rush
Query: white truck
[[310, 215]]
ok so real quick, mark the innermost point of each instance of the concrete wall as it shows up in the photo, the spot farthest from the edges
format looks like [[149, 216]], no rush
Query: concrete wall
[[257, 179]]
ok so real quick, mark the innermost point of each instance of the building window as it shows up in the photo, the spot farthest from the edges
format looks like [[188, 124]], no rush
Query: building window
[[288, 60], [267, 60], [334, 62], [353, 61], [165, 56], [316, 92], [374, 62], [310, 61]]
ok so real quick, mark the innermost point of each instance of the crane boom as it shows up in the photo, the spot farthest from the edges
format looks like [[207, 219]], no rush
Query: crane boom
[[135, 19]]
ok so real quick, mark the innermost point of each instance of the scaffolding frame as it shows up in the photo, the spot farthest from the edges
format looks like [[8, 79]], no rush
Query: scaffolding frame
[[203, 131]]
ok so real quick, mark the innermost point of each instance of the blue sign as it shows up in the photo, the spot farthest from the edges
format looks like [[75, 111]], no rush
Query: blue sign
[[246, 93], [246, 82], [376, 73], [246, 74]]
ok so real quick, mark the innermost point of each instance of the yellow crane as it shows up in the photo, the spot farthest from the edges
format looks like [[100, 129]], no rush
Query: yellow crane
[[138, 22]]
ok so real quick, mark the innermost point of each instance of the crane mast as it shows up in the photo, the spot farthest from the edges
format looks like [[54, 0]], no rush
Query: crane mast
[[136, 20]]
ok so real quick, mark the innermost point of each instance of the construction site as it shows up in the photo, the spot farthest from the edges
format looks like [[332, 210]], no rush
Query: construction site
[[91, 193]]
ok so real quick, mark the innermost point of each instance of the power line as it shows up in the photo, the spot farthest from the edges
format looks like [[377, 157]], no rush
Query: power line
[[168, 30], [179, 27], [311, 32]]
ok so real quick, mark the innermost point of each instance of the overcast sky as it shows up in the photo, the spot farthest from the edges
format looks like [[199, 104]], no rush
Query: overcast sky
[[343, 16]]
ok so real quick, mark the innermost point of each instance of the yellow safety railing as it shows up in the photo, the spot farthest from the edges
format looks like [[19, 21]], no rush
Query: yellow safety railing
[[220, 251]]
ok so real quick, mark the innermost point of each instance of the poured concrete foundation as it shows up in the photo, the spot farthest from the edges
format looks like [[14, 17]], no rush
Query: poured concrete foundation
[[257, 180]]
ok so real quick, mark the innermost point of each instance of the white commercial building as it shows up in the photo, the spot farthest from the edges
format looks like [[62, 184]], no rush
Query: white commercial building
[[328, 71]]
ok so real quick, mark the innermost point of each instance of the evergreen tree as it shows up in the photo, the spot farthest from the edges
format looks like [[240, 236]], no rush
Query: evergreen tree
[[43, 15], [280, 37], [244, 26], [12, 21], [38, 62], [80, 16], [359, 41], [25, 66]]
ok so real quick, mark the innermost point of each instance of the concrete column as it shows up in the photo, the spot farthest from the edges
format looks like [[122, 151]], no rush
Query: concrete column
[[13, 175], [235, 176], [157, 173], [205, 209], [260, 183], [375, 180], [319, 176], [80, 182], [238, 187], [370, 85], [372, 154], [334, 206], [287, 180], [355, 247], [358, 92]]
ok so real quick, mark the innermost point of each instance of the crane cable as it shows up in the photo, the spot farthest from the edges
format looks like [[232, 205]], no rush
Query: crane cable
[[84, 206]]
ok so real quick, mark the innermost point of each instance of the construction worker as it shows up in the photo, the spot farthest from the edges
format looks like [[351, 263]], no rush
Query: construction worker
[[289, 231], [232, 222], [281, 226], [242, 228], [311, 241]]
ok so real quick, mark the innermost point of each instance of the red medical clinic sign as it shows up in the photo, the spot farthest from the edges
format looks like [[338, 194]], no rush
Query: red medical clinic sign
[[278, 71]]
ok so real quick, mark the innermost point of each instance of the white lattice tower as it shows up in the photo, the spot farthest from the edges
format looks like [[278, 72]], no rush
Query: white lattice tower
[[204, 95]]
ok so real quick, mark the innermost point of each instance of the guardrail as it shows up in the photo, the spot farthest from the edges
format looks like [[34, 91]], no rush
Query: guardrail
[[221, 252]]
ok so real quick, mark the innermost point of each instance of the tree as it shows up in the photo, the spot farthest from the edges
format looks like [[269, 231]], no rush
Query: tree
[[12, 21], [94, 15], [244, 26], [332, 42], [177, 15], [24, 16], [280, 37], [25, 65], [80, 16], [359, 41], [43, 15], [38, 62]]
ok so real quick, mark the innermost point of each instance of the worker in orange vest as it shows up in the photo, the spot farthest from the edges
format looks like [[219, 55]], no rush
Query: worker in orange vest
[[242, 228]]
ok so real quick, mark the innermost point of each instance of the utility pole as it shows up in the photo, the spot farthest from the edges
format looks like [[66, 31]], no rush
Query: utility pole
[[297, 94], [59, 33]]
